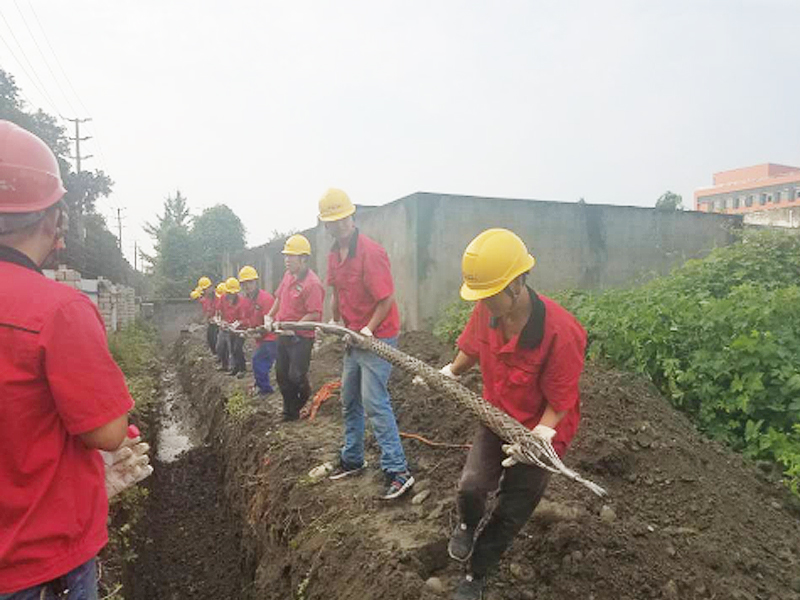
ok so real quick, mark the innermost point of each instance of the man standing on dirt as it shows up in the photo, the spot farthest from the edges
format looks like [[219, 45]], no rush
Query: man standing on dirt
[[62, 397], [227, 345], [300, 297], [256, 303], [530, 352], [208, 302], [363, 298]]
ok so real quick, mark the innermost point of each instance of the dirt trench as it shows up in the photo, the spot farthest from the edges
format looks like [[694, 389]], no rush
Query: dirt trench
[[238, 517]]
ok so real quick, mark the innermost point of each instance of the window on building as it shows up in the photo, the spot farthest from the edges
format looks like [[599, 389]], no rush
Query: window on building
[[718, 205], [769, 198], [797, 194], [749, 201], [762, 199], [736, 203]]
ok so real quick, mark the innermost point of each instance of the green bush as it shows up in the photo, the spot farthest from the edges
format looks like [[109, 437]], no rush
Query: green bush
[[135, 348], [452, 321], [721, 338]]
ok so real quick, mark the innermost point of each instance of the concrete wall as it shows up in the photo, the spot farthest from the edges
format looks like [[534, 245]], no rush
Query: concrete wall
[[171, 316], [777, 217], [576, 245]]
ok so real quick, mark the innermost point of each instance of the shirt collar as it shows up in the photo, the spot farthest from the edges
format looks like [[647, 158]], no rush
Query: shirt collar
[[351, 250], [12, 255], [532, 334], [301, 277]]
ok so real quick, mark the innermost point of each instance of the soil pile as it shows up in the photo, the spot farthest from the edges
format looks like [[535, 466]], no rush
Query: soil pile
[[685, 517]]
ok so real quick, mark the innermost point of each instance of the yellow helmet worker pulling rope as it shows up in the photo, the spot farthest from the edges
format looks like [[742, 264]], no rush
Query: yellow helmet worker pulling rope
[[195, 294], [491, 261], [232, 285], [203, 283], [248, 273], [221, 289], [335, 205], [297, 245]]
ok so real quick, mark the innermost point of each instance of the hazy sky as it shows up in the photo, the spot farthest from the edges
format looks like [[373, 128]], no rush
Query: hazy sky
[[263, 105]]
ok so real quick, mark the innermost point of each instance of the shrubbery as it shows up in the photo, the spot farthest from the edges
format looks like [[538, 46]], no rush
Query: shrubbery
[[721, 338]]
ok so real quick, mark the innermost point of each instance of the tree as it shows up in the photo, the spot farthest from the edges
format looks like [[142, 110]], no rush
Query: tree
[[173, 260], [217, 232], [669, 202]]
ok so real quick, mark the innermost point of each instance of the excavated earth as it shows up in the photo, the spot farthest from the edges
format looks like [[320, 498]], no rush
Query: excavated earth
[[238, 517]]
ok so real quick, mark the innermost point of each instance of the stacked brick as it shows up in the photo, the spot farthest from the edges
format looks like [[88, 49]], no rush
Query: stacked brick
[[116, 303]]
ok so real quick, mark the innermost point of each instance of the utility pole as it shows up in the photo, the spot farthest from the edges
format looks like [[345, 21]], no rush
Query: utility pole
[[135, 255], [119, 227], [78, 139]]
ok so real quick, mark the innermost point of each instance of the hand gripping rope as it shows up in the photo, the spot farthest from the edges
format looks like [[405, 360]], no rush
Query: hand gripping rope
[[536, 451]]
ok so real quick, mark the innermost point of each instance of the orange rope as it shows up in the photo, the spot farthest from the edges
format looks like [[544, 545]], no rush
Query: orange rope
[[419, 438], [325, 392]]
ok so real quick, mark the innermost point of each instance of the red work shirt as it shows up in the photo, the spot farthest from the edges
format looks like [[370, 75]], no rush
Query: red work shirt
[[57, 381], [209, 305], [299, 297], [253, 311], [229, 311], [362, 280], [539, 366]]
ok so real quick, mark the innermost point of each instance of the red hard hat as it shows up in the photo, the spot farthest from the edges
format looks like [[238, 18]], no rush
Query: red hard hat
[[30, 180]]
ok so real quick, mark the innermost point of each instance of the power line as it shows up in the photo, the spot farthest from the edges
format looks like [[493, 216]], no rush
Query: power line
[[58, 62], [35, 77], [44, 59]]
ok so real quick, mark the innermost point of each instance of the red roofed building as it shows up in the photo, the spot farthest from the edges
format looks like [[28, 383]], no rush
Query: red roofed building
[[751, 189]]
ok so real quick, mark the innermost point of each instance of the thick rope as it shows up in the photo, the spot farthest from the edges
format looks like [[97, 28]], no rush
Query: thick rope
[[535, 451]]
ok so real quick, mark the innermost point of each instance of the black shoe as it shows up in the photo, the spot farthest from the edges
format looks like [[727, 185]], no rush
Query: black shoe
[[397, 484], [222, 368], [470, 588], [461, 542], [344, 469]]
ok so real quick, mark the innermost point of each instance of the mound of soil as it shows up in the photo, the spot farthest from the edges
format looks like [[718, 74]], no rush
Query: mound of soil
[[685, 517]]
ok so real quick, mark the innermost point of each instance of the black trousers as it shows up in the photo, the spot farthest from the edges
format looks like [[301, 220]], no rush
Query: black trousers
[[224, 347], [212, 330], [520, 489], [291, 371], [237, 354]]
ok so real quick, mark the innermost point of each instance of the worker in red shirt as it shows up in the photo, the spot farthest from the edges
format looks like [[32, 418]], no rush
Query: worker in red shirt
[[62, 397], [208, 302], [530, 351], [232, 350], [256, 304], [363, 298], [219, 300], [300, 297]]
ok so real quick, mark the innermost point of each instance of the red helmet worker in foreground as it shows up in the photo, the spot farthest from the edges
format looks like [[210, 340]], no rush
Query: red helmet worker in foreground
[[62, 397]]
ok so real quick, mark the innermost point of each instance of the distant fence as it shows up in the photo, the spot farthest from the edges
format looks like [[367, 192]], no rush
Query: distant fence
[[577, 245]]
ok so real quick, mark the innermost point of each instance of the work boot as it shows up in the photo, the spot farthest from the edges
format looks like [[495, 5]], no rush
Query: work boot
[[470, 588], [462, 540]]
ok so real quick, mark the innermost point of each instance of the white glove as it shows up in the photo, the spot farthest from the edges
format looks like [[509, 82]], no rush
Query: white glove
[[514, 452], [366, 331], [268, 323], [126, 465], [446, 370], [235, 325]]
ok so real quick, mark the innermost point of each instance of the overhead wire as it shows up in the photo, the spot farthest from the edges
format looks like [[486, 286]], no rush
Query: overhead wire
[[44, 58], [34, 77]]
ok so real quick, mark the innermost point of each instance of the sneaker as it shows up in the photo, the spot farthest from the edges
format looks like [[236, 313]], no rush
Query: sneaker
[[461, 542], [399, 484], [344, 469], [470, 588]]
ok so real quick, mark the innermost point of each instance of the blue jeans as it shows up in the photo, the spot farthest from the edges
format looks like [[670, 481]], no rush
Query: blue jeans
[[263, 358], [364, 380], [81, 583]]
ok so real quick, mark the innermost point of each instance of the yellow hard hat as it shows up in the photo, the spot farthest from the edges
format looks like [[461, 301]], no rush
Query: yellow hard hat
[[195, 294], [247, 273], [203, 283], [232, 285], [221, 289], [335, 205], [297, 245], [491, 261]]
